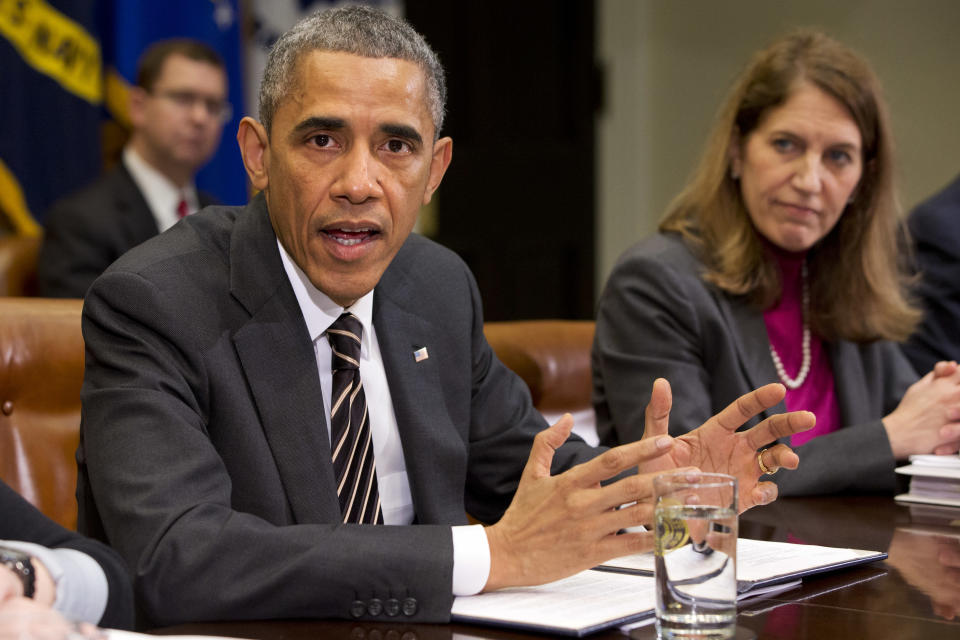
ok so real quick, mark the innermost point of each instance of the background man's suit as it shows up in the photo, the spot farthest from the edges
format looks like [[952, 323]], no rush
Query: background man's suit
[[659, 318], [204, 439], [22, 522], [85, 232], [935, 230]]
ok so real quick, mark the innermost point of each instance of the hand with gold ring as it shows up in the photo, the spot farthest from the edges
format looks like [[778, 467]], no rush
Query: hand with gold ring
[[716, 446], [763, 467]]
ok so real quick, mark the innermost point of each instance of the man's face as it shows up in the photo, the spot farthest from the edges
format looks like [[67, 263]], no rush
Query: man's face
[[179, 121], [349, 162]]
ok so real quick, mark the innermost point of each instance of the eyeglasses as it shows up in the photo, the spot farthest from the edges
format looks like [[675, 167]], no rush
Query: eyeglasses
[[187, 100]]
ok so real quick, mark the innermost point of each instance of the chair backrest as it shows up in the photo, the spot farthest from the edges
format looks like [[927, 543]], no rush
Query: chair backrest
[[552, 357], [41, 372], [18, 265]]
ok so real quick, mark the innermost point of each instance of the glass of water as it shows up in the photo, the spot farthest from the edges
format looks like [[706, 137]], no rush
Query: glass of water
[[695, 551]]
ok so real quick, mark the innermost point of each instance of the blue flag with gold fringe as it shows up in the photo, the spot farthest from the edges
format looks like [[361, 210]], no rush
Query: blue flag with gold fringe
[[50, 70], [66, 65]]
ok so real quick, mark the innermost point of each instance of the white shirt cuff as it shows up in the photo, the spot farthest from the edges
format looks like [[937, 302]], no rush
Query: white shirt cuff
[[82, 588], [471, 559]]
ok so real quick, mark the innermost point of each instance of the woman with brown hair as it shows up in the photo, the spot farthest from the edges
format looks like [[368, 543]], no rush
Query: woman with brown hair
[[779, 262]]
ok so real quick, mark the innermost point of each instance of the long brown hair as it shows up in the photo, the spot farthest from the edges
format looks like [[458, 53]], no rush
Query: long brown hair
[[857, 288]]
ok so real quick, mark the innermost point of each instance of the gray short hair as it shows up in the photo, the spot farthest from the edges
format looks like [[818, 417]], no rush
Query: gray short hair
[[358, 30]]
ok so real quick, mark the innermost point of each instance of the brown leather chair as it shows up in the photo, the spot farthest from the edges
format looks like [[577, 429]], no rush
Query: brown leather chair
[[41, 371], [18, 265], [552, 357]]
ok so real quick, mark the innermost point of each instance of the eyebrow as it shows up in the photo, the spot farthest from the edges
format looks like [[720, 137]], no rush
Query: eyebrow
[[843, 144], [320, 122], [402, 131]]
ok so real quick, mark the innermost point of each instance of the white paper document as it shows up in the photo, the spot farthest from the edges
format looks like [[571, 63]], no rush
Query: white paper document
[[581, 604], [765, 562]]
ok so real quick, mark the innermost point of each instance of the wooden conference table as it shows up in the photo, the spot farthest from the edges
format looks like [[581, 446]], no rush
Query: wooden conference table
[[914, 594]]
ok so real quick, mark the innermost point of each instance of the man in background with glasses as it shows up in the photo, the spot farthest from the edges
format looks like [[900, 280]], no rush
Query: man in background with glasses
[[177, 113]]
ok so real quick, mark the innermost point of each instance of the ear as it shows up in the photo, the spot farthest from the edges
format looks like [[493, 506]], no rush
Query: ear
[[735, 153], [255, 150], [442, 154], [137, 106]]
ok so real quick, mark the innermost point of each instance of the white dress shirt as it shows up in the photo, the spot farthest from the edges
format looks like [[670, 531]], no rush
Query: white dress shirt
[[161, 194], [471, 552]]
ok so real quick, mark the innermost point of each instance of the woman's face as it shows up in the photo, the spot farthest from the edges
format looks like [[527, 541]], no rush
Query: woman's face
[[799, 168]]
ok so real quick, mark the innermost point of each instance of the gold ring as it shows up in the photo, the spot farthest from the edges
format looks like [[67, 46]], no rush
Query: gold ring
[[763, 467]]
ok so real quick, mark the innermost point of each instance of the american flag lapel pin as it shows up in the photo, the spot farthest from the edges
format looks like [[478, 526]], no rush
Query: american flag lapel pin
[[420, 354]]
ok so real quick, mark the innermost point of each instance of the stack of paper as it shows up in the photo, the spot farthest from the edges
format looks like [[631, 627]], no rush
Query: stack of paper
[[933, 480], [622, 591]]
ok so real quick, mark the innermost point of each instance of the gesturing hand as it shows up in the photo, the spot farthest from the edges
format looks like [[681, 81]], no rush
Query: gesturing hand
[[717, 446], [559, 525]]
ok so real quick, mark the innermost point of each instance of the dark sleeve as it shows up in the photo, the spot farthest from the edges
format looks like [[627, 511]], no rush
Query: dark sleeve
[[22, 521], [503, 423], [935, 231], [649, 327], [72, 254]]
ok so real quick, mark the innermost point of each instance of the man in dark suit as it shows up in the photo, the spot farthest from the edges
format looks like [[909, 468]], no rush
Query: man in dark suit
[[214, 403], [935, 230], [177, 111]]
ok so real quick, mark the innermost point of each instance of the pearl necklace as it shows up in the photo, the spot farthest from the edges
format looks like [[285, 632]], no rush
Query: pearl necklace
[[796, 383]]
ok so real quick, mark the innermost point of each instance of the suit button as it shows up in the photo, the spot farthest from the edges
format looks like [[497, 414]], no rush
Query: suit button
[[358, 608], [409, 606], [375, 606], [391, 607]]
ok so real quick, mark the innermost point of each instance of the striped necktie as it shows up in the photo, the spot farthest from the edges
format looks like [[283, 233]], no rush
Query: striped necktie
[[352, 444]]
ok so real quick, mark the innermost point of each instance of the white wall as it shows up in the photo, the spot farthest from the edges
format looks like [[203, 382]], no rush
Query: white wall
[[668, 64]]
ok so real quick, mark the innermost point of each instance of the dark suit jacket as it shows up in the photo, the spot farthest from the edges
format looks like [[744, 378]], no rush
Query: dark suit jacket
[[658, 318], [935, 228], [21, 521], [86, 231], [204, 453]]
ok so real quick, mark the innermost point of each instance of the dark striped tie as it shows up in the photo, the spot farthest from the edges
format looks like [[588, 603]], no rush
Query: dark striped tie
[[352, 445]]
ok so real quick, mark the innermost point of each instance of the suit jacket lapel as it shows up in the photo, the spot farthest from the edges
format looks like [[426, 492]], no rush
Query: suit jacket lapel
[[748, 332], [424, 424], [278, 359]]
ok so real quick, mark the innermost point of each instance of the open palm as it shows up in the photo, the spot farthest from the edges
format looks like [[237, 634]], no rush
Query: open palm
[[717, 446]]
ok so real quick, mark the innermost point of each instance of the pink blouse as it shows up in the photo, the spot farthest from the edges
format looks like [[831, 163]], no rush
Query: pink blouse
[[785, 330]]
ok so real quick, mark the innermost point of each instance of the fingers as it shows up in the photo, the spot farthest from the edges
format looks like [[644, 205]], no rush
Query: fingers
[[947, 449], [544, 444], [749, 405], [616, 460], [657, 416], [763, 493], [779, 426], [780, 456], [944, 368], [637, 488], [625, 544]]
